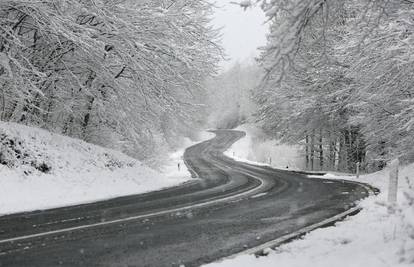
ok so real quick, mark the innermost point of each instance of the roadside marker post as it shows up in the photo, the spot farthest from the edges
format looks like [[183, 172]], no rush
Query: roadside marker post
[[358, 165], [393, 182]]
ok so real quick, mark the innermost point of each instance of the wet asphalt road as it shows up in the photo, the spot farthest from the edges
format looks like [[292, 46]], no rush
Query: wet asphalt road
[[229, 207]]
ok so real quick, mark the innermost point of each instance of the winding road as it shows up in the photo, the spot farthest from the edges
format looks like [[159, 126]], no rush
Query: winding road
[[228, 208]]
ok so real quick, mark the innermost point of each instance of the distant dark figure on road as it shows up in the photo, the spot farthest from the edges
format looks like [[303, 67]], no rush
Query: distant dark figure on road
[[179, 165]]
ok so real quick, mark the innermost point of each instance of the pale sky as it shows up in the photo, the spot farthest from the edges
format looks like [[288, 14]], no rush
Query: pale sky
[[243, 31]]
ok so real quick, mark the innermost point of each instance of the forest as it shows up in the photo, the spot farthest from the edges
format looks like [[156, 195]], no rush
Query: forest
[[136, 76], [338, 79], [120, 73]]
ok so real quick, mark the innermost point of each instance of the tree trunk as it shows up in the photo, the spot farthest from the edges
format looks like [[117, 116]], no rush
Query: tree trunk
[[87, 118], [331, 152], [321, 150], [312, 150], [307, 151]]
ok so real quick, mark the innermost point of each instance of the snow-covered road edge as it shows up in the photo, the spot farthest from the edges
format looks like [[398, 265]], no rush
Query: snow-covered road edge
[[373, 237], [256, 149], [171, 169], [80, 172], [263, 249]]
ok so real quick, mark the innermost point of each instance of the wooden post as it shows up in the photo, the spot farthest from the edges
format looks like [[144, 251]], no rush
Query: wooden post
[[393, 183]]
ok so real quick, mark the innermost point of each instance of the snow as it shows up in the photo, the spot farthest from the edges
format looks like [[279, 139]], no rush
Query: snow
[[41, 170], [170, 168], [380, 235], [255, 148], [5, 63]]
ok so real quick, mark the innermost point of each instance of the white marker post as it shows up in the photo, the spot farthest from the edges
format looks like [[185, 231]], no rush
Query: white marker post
[[357, 169], [393, 186]]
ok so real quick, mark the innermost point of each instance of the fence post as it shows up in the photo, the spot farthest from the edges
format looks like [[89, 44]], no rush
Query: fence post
[[358, 164], [393, 183]]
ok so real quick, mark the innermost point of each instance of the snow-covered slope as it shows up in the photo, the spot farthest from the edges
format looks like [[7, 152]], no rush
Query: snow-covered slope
[[375, 237], [40, 170], [255, 148]]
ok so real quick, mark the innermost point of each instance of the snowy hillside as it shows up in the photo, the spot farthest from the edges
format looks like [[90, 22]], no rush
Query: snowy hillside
[[41, 170], [255, 147]]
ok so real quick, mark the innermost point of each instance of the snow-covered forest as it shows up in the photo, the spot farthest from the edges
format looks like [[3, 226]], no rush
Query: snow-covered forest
[[131, 129], [137, 76], [339, 77], [229, 101], [120, 73]]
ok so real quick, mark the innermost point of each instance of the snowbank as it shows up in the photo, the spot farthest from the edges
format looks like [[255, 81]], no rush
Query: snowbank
[[373, 237], [40, 170], [255, 148]]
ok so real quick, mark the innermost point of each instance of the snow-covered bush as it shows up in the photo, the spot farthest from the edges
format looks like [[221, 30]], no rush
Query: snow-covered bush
[[14, 152]]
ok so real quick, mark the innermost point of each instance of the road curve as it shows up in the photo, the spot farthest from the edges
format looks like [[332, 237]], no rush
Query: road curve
[[230, 207]]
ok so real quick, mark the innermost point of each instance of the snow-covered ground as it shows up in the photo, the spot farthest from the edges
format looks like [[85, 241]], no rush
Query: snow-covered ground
[[375, 237], [170, 168], [256, 148], [40, 170]]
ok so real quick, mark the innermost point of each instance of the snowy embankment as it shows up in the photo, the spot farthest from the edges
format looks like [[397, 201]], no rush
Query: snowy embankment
[[255, 148], [41, 170], [374, 237]]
